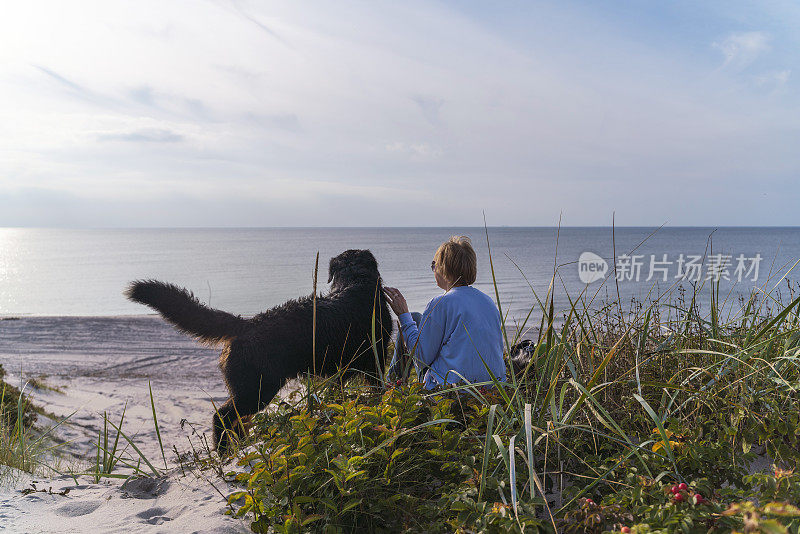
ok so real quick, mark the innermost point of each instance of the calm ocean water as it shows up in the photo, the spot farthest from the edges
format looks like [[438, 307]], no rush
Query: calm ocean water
[[83, 272]]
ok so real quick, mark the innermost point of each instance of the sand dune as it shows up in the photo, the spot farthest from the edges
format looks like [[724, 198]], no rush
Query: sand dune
[[103, 365]]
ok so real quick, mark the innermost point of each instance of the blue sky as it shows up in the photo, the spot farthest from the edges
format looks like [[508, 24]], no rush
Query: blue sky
[[399, 114]]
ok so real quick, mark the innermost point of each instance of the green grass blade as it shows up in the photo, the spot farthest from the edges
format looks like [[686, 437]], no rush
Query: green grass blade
[[138, 451], [155, 422], [660, 425], [529, 447], [512, 474], [113, 459], [486, 448]]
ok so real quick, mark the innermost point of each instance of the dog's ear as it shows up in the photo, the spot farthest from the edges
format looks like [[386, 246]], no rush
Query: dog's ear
[[333, 267]]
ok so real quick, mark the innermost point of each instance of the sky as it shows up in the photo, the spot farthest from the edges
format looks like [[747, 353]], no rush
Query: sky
[[232, 113]]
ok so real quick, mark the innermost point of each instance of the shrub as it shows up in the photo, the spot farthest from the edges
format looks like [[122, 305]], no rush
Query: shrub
[[360, 461]]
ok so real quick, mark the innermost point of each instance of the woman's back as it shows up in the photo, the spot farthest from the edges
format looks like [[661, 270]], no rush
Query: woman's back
[[459, 335], [460, 330]]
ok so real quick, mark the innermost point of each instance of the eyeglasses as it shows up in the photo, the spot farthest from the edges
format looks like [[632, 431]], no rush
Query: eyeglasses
[[433, 265]]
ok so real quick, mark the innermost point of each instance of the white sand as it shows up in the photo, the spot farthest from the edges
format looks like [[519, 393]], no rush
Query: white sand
[[168, 504], [102, 364]]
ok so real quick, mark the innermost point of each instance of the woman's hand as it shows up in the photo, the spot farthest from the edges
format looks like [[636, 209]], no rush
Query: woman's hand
[[396, 300]]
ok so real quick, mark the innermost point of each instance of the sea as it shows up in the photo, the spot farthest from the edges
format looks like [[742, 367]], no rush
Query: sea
[[83, 272]]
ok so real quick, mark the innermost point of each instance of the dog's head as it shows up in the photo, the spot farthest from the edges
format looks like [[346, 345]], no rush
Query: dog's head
[[352, 267]]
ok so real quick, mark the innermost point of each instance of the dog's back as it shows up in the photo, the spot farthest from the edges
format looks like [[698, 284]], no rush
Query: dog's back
[[286, 341], [353, 324]]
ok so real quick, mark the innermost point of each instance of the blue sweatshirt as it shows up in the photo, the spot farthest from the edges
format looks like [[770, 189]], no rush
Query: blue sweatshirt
[[455, 328]]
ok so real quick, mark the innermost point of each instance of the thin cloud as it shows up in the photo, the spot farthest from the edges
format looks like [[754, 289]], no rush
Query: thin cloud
[[741, 49], [430, 108], [282, 121], [775, 80], [75, 89], [419, 150], [143, 95], [143, 136], [175, 105], [263, 27]]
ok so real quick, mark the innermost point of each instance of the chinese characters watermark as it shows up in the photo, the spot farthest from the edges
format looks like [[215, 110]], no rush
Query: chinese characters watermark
[[690, 267]]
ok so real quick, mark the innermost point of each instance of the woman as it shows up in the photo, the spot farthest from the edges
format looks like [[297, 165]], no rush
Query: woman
[[458, 336]]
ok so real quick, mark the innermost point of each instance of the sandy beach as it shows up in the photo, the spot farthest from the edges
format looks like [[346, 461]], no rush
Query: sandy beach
[[96, 365]]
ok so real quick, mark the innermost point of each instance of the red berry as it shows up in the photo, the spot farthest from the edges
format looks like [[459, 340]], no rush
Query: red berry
[[682, 486], [698, 499], [678, 497], [589, 501], [675, 490], [625, 530]]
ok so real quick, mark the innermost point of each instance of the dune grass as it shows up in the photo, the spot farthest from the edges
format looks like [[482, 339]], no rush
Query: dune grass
[[16, 442], [26, 448], [22, 448], [123, 458]]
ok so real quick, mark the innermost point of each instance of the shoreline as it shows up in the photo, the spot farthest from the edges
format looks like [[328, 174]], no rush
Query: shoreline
[[22, 316]]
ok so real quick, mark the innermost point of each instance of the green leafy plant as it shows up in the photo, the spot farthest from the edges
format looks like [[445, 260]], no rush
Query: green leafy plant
[[396, 460]]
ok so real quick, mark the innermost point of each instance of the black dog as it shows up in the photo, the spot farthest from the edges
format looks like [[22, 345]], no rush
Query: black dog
[[261, 353], [520, 355]]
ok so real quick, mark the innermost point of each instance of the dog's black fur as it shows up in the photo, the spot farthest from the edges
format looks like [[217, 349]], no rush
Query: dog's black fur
[[520, 355], [261, 353]]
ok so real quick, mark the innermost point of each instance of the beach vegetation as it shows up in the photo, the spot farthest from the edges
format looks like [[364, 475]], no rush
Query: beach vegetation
[[663, 415], [10, 405], [123, 459], [21, 447], [24, 447]]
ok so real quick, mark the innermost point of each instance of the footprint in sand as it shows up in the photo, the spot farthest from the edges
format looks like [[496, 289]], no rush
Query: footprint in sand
[[145, 488], [75, 509], [154, 516]]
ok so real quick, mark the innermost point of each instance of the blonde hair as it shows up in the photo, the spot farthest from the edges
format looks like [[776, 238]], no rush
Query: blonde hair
[[456, 261]]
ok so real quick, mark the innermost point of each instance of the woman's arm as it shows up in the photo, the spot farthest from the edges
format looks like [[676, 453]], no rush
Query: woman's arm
[[424, 342]]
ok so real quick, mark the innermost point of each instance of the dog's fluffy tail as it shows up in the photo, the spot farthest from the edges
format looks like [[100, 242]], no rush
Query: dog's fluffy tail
[[182, 309]]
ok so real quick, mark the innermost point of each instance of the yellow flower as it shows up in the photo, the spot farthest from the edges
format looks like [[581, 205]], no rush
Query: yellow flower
[[674, 445], [783, 473], [667, 431], [498, 507]]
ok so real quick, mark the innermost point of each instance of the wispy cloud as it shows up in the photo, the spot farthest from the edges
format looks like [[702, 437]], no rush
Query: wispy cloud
[[237, 6], [144, 94], [741, 49], [430, 107], [143, 136], [774, 80], [75, 89], [174, 104], [422, 150], [289, 122]]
